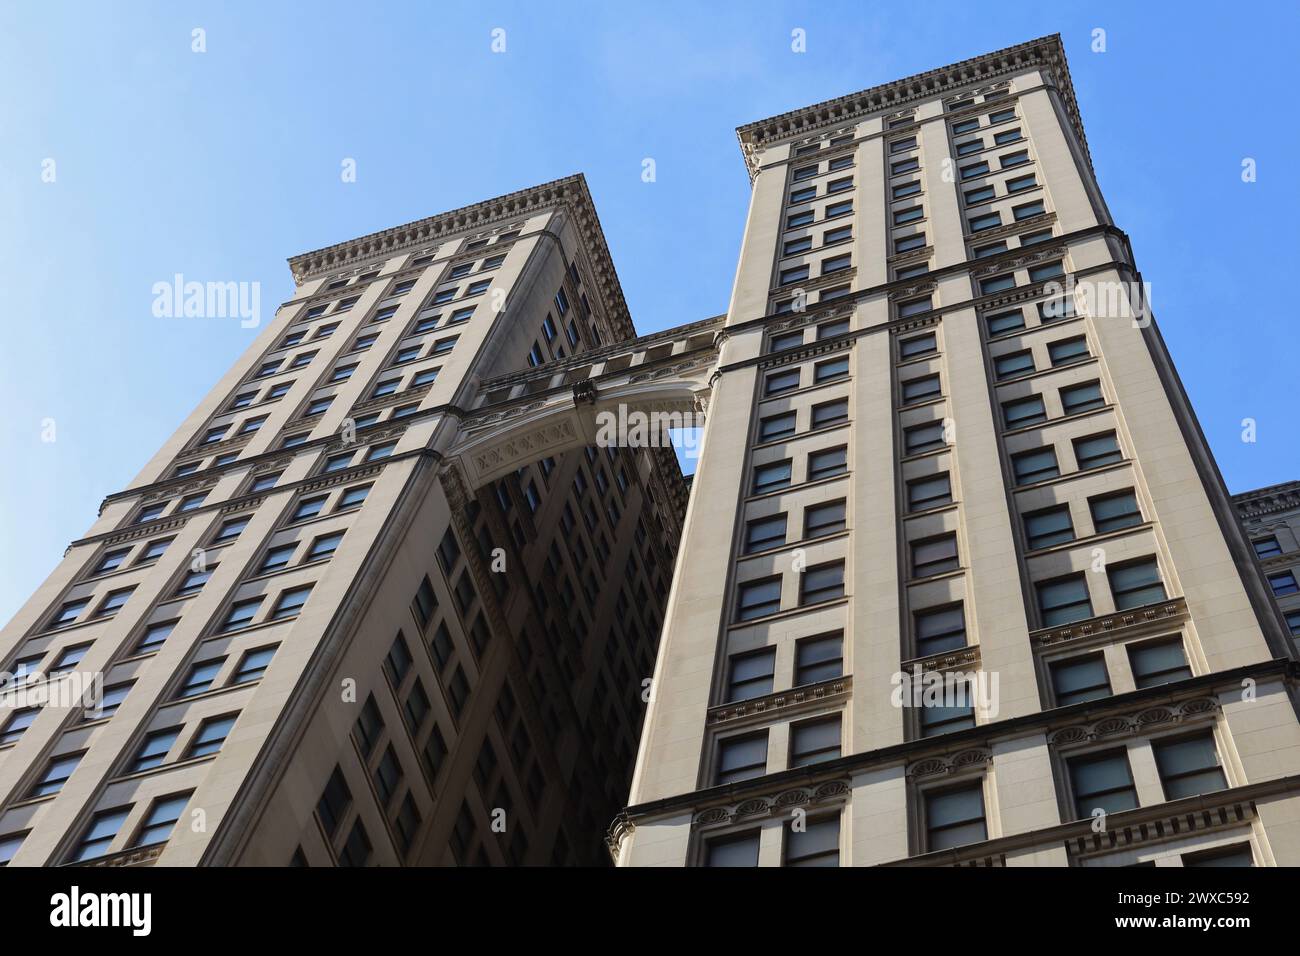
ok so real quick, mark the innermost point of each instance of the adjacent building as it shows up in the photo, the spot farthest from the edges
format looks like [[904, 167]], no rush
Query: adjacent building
[[1271, 517], [960, 582], [324, 636]]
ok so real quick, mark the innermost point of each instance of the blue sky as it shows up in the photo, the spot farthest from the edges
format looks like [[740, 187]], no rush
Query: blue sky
[[220, 165]]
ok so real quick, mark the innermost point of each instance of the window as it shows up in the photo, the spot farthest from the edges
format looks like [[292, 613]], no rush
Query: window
[[191, 502], [154, 635], [974, 169], [771, 477], [1027, 211], [1283, 583], [830, 369], [841, 208], [828, 330], [1266, 547], [750, 675], [982, 194], [905, 272], [253, 664], [829, 413], [739, 850], [908, 243], [795, 220], [930, 492], [814, 741], [795, 246], [212, 734], [1102, 782], [69, 611], [776, 426], [56, 774], [1079, 398], [324, 546], [1006, 136], [914, 307], [920, 438], [17, 724], [1293, 622], [290, 603], [990, 220], [1158, 662], [1001, 116], [904, 166], [911, 214], [954, 817], [1079, 679], [378, 452], [263, 483], [1239, 854], [759, 598], [992, 249], [1064, 600], [1188, 766], [919, 389], [1096, 451], [1005, 322], [277, 557], [827, 463], [997, 284], [1112, 512], [388, 776], [966, 125], [824, 582], [109, 702], [1024, 411], [1136, 583], [783, 381], [937, 555], [816, 843], [353, 497], [969, 147], [1032, 466], [193, 581], [901, 145], [99, 834], [1066, 351], [1020, 184], [1048, 527], [69, 659], [763, 533], [241, 613], [824, 519], [917, 345], [161, 820], [796, 274], [334, 802], [9, 844], [111, 561], [742, 758], [153, 749]]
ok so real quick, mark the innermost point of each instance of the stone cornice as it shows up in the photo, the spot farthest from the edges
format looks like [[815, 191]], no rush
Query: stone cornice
[[570, 193], [1045, 53], [1270, 500]]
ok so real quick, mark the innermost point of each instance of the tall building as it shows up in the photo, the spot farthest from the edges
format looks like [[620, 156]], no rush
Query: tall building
[[335, 623], [1271, 517], [960, 582]]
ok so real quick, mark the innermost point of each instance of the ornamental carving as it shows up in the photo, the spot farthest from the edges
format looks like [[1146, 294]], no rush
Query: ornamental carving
[[950, 763], [1125, 725], [773, 803]]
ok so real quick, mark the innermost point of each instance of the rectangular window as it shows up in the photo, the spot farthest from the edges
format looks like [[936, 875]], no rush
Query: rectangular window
[[902, 145], [803, 195], [818, 659], [824, 519], [1028, 210], [824, 582], [920, 389], [904, 166], [1048, 527], [954, 817], [741, 758], [939, 630], [1006, 136], [982, 194], [1076, 680], [911, 214], [1266, 547], [815, 843], [100, 834], [969, 147], [1102, 782], [814, 741], [1024, 411], [829, 413], [783, 381], [1008, 321], [1283, 583], [922, 438], [997, 284], [903, 190], [937, 555], [776, 426], [836, 263], [830, 369], [825, 464], [741, 850], [1013, 363], [154, 749], [772, 476], [833, 236], [750, 675], [974, 169], [1064, 600], [1020, 184], [796, 246], [841, 208], [56, 774], [212, 734], [1189, 766], [1112, 512], [929, 492], [1037, 465], [290, 603], [908, 243], [1136, 583], [1096, 451], [1067, 351], [758, 598], [763, 533], [1158, 662], [1081, 398], [915, 307]]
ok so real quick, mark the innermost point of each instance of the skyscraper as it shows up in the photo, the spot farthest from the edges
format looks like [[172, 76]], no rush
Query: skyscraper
[[960, 583], [331, 627]]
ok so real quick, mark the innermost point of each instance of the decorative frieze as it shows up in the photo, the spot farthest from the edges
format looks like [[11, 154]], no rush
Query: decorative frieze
[[1117, 726]]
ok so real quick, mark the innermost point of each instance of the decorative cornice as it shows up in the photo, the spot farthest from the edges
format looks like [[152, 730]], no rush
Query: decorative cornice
[[768, 804], [1269, 500], [1045, 53], [782, 702], [950, 763], [1171, 611], [1119, 726]]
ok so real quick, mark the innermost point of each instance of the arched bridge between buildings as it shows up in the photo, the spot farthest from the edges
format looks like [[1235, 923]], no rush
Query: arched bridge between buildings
[[517, 419]]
